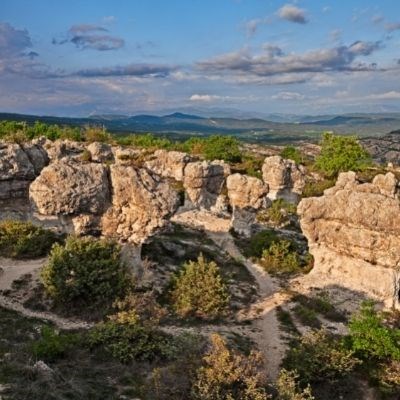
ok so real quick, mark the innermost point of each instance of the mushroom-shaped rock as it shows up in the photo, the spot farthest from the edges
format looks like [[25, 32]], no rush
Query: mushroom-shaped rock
[[284, 177], [204, 182], [141, 203]]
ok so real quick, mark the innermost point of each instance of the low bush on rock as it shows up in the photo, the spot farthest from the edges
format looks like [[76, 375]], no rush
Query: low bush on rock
[[25, 240], [253, 247], [279, 212], [289, 389], [198, 291], [85, 273], [291, 153]]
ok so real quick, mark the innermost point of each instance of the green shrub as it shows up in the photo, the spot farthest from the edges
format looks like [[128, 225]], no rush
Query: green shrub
[[370, 337], [307, 316], [145, 141], [53, 345], [281, 258], [288, 388], [24, 240], [128, 342], [278, 213], [340, 154], [228, 375], [96, 134], [85, 272], [319, 357], [291, 153], [254, 246], [198, 290]]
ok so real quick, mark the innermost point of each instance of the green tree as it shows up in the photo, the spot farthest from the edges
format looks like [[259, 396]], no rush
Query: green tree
[[291, 153], [340, 154], [199, 291]]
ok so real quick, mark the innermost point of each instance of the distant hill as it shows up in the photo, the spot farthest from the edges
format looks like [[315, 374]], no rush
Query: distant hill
[[181, 125]]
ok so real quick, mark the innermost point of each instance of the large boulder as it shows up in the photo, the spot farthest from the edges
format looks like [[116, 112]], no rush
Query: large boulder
[[100, 152], [19, 165], [204, 182], [71, 188], [285, 178], [141, 203], [168, 164], [353, 232]]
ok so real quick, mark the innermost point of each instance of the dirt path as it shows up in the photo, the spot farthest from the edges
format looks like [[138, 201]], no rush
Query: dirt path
[[267, 333], [10, 270]]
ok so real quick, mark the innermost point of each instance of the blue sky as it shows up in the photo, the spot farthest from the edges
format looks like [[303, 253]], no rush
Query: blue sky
[[124, 57]]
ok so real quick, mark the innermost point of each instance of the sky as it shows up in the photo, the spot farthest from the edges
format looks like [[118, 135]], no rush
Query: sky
[[78, 58]]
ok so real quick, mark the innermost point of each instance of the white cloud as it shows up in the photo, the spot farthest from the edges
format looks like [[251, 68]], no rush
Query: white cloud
[[292, 13]]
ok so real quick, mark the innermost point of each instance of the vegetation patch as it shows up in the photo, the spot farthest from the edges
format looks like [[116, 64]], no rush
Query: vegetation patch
[[279, 212], [85, 274], [23, 240], [199, 291]]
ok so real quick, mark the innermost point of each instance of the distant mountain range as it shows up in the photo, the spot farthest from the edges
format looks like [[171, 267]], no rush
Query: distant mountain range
[[279, 128]]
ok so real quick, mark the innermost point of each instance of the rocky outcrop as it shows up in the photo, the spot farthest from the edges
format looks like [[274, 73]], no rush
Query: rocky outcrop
[[60, 149], [100, 152], [246, 195], [285, 178], [141, 203], [384, 149], [168, 164], [354, 234], [204, 182], [19, 165], [71, 188]]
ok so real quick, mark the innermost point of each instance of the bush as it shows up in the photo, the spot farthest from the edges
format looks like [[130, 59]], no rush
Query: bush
[[281, 258], [291, 153], [319, 357], [198, 290], [288, 388], [96, 134], [254, 246], [128, 342], [340, 154], [53, 345], [278, 213], [85, 272], [146, 141], [227, 375], [24, 240], [371, 338]]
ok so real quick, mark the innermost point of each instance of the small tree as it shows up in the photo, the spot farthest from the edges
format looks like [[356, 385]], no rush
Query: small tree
[[199, 291], [85, 272], [340, 154], [228, 375]]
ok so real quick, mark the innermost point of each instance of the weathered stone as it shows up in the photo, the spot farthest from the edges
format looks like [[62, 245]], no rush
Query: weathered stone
[[71, 188], [360, 224], [141, 204], [204, 182], [169, 164], [100, 152], [246, 191], [60, 149], [284, 177]]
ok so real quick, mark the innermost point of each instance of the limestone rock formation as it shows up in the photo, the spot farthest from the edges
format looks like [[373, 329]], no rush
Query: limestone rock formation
[[285, 179], [169, 164], [60, 149], [246, 195], [204, 182], [354, 234], [100, 152], [141, 203], [19, 165], [71, 188]]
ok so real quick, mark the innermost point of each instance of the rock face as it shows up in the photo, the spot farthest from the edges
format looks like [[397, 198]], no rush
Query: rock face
[[19, 165], [100, 152], [71, 188], [384, 149], [204, 182], [246, 195], [169, 164], [285, 179], [354, 235], [141, 203]]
